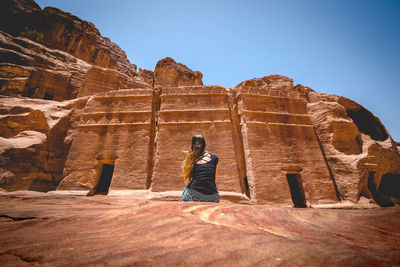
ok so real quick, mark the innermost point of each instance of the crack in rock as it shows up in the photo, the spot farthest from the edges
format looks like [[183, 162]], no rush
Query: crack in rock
[[19, 218]]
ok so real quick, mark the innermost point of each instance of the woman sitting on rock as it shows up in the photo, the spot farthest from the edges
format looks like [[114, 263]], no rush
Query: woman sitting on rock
[[200, 173]]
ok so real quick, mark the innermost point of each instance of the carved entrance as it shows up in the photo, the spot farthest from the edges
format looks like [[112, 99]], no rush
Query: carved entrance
[[105, 179], [105, 174], [296, 190]]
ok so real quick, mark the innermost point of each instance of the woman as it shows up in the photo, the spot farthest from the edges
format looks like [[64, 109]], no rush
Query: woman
[[200, 172]]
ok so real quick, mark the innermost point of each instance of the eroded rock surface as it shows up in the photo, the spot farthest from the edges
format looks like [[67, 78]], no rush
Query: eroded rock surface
[[58, 230], [51, 54], [63, 31], [168, 72], [35, 139], [280, 146], [100, 122], [33, 70], [358, 149]]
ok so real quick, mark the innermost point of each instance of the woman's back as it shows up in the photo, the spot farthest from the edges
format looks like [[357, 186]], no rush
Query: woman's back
[[204, 174], [199, 172]]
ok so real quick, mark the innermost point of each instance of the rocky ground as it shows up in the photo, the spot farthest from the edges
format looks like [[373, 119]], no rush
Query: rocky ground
[[59, 230]]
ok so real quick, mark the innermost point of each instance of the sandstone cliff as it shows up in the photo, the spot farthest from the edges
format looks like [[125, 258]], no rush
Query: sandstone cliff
[[51, 54], [359, 151], [74, 112], [35, 139], [168, 72], [63, 31]]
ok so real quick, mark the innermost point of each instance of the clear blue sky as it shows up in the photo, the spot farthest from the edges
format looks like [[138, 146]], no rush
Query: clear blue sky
[[344, 47]]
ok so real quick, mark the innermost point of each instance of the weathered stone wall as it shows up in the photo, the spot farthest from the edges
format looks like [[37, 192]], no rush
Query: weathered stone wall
[[63, 31], [114, 129], [262, 130], [357, 146], [184, 112], [260, 133], [279, 139], [35, 138], [30, 69], [276, 142]]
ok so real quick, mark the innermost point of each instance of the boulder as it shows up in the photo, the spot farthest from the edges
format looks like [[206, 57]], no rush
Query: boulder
[[168, 72]]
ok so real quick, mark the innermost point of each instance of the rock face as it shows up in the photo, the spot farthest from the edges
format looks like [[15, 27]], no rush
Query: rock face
[[268, 134], [118, 125], [100, 127], [124, 231], [32, 70], [280, 146], [171, 73], [185, 111], [51, 54], [362, 158], [35, 140], [63, 31]]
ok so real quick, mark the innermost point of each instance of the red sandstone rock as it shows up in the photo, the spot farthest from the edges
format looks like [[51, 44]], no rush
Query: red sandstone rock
[[30, 69], [34, 143], [360, 152], [277, 143], [168, 72], [118, 125], [185, 111], [270, 82], [147, 76], [280, 144], [60, 30], [56, 230], [63, 57]]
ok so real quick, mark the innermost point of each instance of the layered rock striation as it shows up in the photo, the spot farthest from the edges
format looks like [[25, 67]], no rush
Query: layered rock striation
[[75, 115], [361, 155], [63, 31], [51, 54], [278, 143], [32, 224], [35, 139]]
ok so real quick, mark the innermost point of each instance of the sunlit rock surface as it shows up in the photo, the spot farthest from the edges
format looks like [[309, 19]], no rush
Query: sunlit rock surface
[[51, 54], [35, 140], [75, 115], [168, 72], [63, 31], [361, 155], [59, 230]]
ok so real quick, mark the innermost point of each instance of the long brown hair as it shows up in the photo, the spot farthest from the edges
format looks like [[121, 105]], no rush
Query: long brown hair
[[196, 149]]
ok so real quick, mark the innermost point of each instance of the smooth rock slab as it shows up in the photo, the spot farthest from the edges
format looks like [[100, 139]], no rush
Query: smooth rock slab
[[60, 230]]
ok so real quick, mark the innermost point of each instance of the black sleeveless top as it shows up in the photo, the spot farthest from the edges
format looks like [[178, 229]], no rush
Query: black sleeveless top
[[204, 176]]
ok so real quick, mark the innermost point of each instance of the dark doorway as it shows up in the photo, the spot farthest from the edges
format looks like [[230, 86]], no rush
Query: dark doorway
[[105, 179], [48, 96], [246, 184], [390, 185], [379, 198], [296, 190]]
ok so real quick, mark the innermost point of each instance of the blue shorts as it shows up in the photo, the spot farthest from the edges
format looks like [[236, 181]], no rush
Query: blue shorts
[[193, 195]]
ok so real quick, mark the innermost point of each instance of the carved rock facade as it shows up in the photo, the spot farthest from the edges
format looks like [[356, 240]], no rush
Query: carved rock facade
[[100, 127], [277, 143]]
